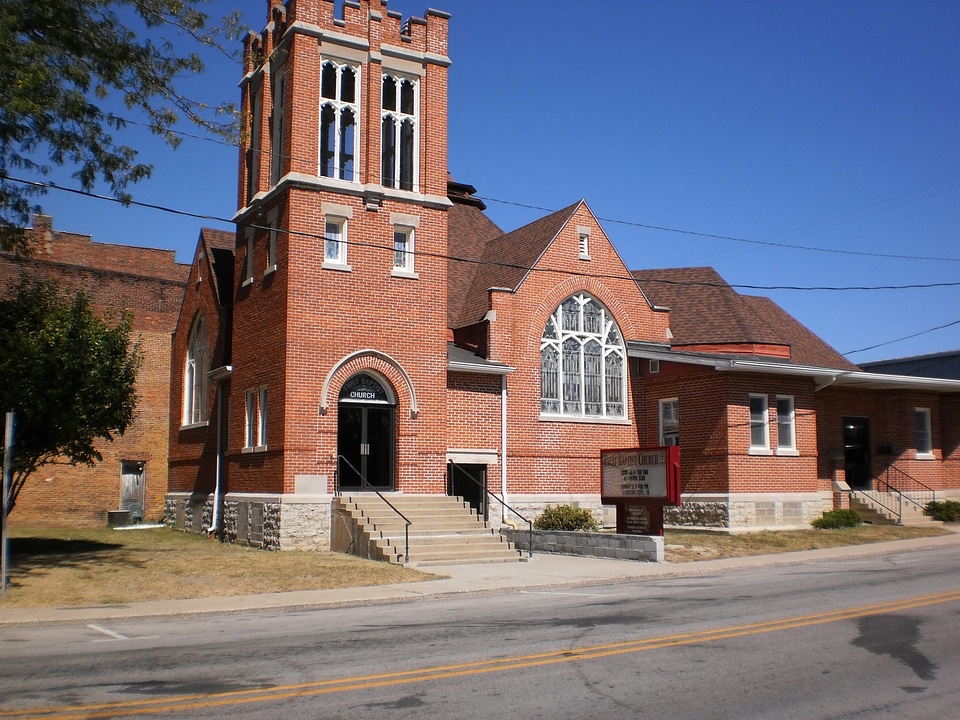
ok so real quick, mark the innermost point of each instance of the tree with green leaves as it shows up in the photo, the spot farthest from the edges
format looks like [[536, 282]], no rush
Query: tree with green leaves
[[67, 374], [61, 61]]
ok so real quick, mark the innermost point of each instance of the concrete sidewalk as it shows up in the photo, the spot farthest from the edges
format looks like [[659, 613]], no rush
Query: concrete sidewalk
[[541, 571]]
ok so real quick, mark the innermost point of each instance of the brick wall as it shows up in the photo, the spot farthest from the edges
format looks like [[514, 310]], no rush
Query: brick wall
[[148, 283]]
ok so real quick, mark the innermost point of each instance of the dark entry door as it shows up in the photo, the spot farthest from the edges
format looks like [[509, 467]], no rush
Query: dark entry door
[[365, 445], [470, 483], [856, 452]]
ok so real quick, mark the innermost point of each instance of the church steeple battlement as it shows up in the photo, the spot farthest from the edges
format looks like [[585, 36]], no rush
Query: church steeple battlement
[[352, 102]]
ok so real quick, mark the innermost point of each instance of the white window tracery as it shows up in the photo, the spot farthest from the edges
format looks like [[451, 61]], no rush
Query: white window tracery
[[582, 361], [195, 381], [400, 130], [339, 113]]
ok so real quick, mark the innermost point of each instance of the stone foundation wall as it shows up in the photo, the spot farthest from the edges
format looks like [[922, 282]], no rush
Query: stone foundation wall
[[644, 548], [305, 522], [749, 511], [530, 506]]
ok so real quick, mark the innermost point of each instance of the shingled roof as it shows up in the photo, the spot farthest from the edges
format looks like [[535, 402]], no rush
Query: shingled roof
[[504, 262], [705, 311]]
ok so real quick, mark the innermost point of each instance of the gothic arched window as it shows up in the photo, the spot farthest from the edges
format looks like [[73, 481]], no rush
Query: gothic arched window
[[195, 381], [582, 361]]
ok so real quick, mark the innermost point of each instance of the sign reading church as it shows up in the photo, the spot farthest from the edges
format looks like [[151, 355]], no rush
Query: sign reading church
[[363, 388]]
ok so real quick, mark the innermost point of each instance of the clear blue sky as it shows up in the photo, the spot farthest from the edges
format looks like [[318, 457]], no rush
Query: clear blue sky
[[826, 124]]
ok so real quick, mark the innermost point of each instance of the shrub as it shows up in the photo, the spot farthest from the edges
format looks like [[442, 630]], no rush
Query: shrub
[[943, 510], [837, 519], [566, 517]]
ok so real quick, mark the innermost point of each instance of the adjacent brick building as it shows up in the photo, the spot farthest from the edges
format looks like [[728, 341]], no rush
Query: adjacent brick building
[[149, 283], [369, 327]]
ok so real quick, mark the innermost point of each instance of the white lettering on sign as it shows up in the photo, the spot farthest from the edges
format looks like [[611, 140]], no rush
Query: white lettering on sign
[[363, 395], [634, 474]]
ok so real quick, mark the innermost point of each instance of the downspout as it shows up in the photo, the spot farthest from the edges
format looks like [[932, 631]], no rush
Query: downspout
[[503, 445], [215, 521], [220, 375]]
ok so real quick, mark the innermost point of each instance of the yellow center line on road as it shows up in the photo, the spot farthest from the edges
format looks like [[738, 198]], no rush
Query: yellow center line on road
[[177, 704]]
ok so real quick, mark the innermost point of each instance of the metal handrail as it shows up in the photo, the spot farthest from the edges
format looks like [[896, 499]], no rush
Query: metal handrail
[[896, 511], [900, 476], [364, 485], [499, 500]]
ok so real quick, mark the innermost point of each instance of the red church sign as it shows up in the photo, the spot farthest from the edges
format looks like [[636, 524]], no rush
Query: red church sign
[[640, 481]]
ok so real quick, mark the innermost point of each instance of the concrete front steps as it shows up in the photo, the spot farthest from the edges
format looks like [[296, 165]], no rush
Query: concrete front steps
[[444, 530], [873, 505]]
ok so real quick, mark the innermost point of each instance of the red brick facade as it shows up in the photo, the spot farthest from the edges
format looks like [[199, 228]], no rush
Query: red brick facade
[[451, 345], [150, 284]]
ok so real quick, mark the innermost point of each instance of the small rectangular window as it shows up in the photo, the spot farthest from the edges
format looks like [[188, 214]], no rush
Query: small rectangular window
[[262, 417], [786, 430], [250, 435], [276, 128], [335, 241], [670, 422], [403, 249], [922, 432], [248, 268], [759, 423], [272, 248]]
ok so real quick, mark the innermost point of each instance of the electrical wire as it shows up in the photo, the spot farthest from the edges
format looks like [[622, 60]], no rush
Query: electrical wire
[[475, 261]]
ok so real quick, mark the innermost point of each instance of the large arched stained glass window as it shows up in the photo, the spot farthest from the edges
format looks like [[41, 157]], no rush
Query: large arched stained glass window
[[582, 361], [195, 381]]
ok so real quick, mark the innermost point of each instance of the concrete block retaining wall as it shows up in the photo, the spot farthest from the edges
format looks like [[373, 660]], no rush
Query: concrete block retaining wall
[[603, 545]]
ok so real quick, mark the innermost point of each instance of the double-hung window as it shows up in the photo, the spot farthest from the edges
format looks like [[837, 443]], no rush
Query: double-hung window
[[786, 425], [255, 433], [670, 422], [404, 244], [399, 132], [923, 433], [339, 139], [336, 219], [759, 425]]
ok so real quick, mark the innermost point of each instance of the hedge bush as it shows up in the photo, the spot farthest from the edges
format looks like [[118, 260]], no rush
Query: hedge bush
[[566, 517], [943, 510], [833, 519]]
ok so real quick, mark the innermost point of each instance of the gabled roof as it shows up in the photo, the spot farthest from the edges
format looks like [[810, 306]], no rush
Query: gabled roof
[[706, 312], [468, 232], [505, 262], [219, 245]]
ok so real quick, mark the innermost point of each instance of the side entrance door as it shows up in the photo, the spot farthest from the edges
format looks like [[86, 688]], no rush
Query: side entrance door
[[856, 453], [470, 483], [366, 436]]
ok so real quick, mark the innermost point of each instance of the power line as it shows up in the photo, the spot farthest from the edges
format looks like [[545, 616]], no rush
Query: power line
[[712, 236], [906, 337], [662, 228], [505, 265]]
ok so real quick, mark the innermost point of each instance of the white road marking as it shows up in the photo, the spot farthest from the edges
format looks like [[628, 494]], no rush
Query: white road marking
[[111, 633]]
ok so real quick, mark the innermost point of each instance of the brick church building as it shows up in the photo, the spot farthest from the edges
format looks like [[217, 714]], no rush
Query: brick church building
[[148, 283], [369, 326]]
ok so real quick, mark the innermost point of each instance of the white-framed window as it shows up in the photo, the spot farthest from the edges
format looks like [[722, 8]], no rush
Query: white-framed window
[[272, 244], [248, 263], [670, 422], [339, 113], [583, 369], [399, 132], [335, 241], [195, 380], [786, 425], [759, 424], [335, 227], [923, 434], [255, 424], [276, 127], [403, 251]]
